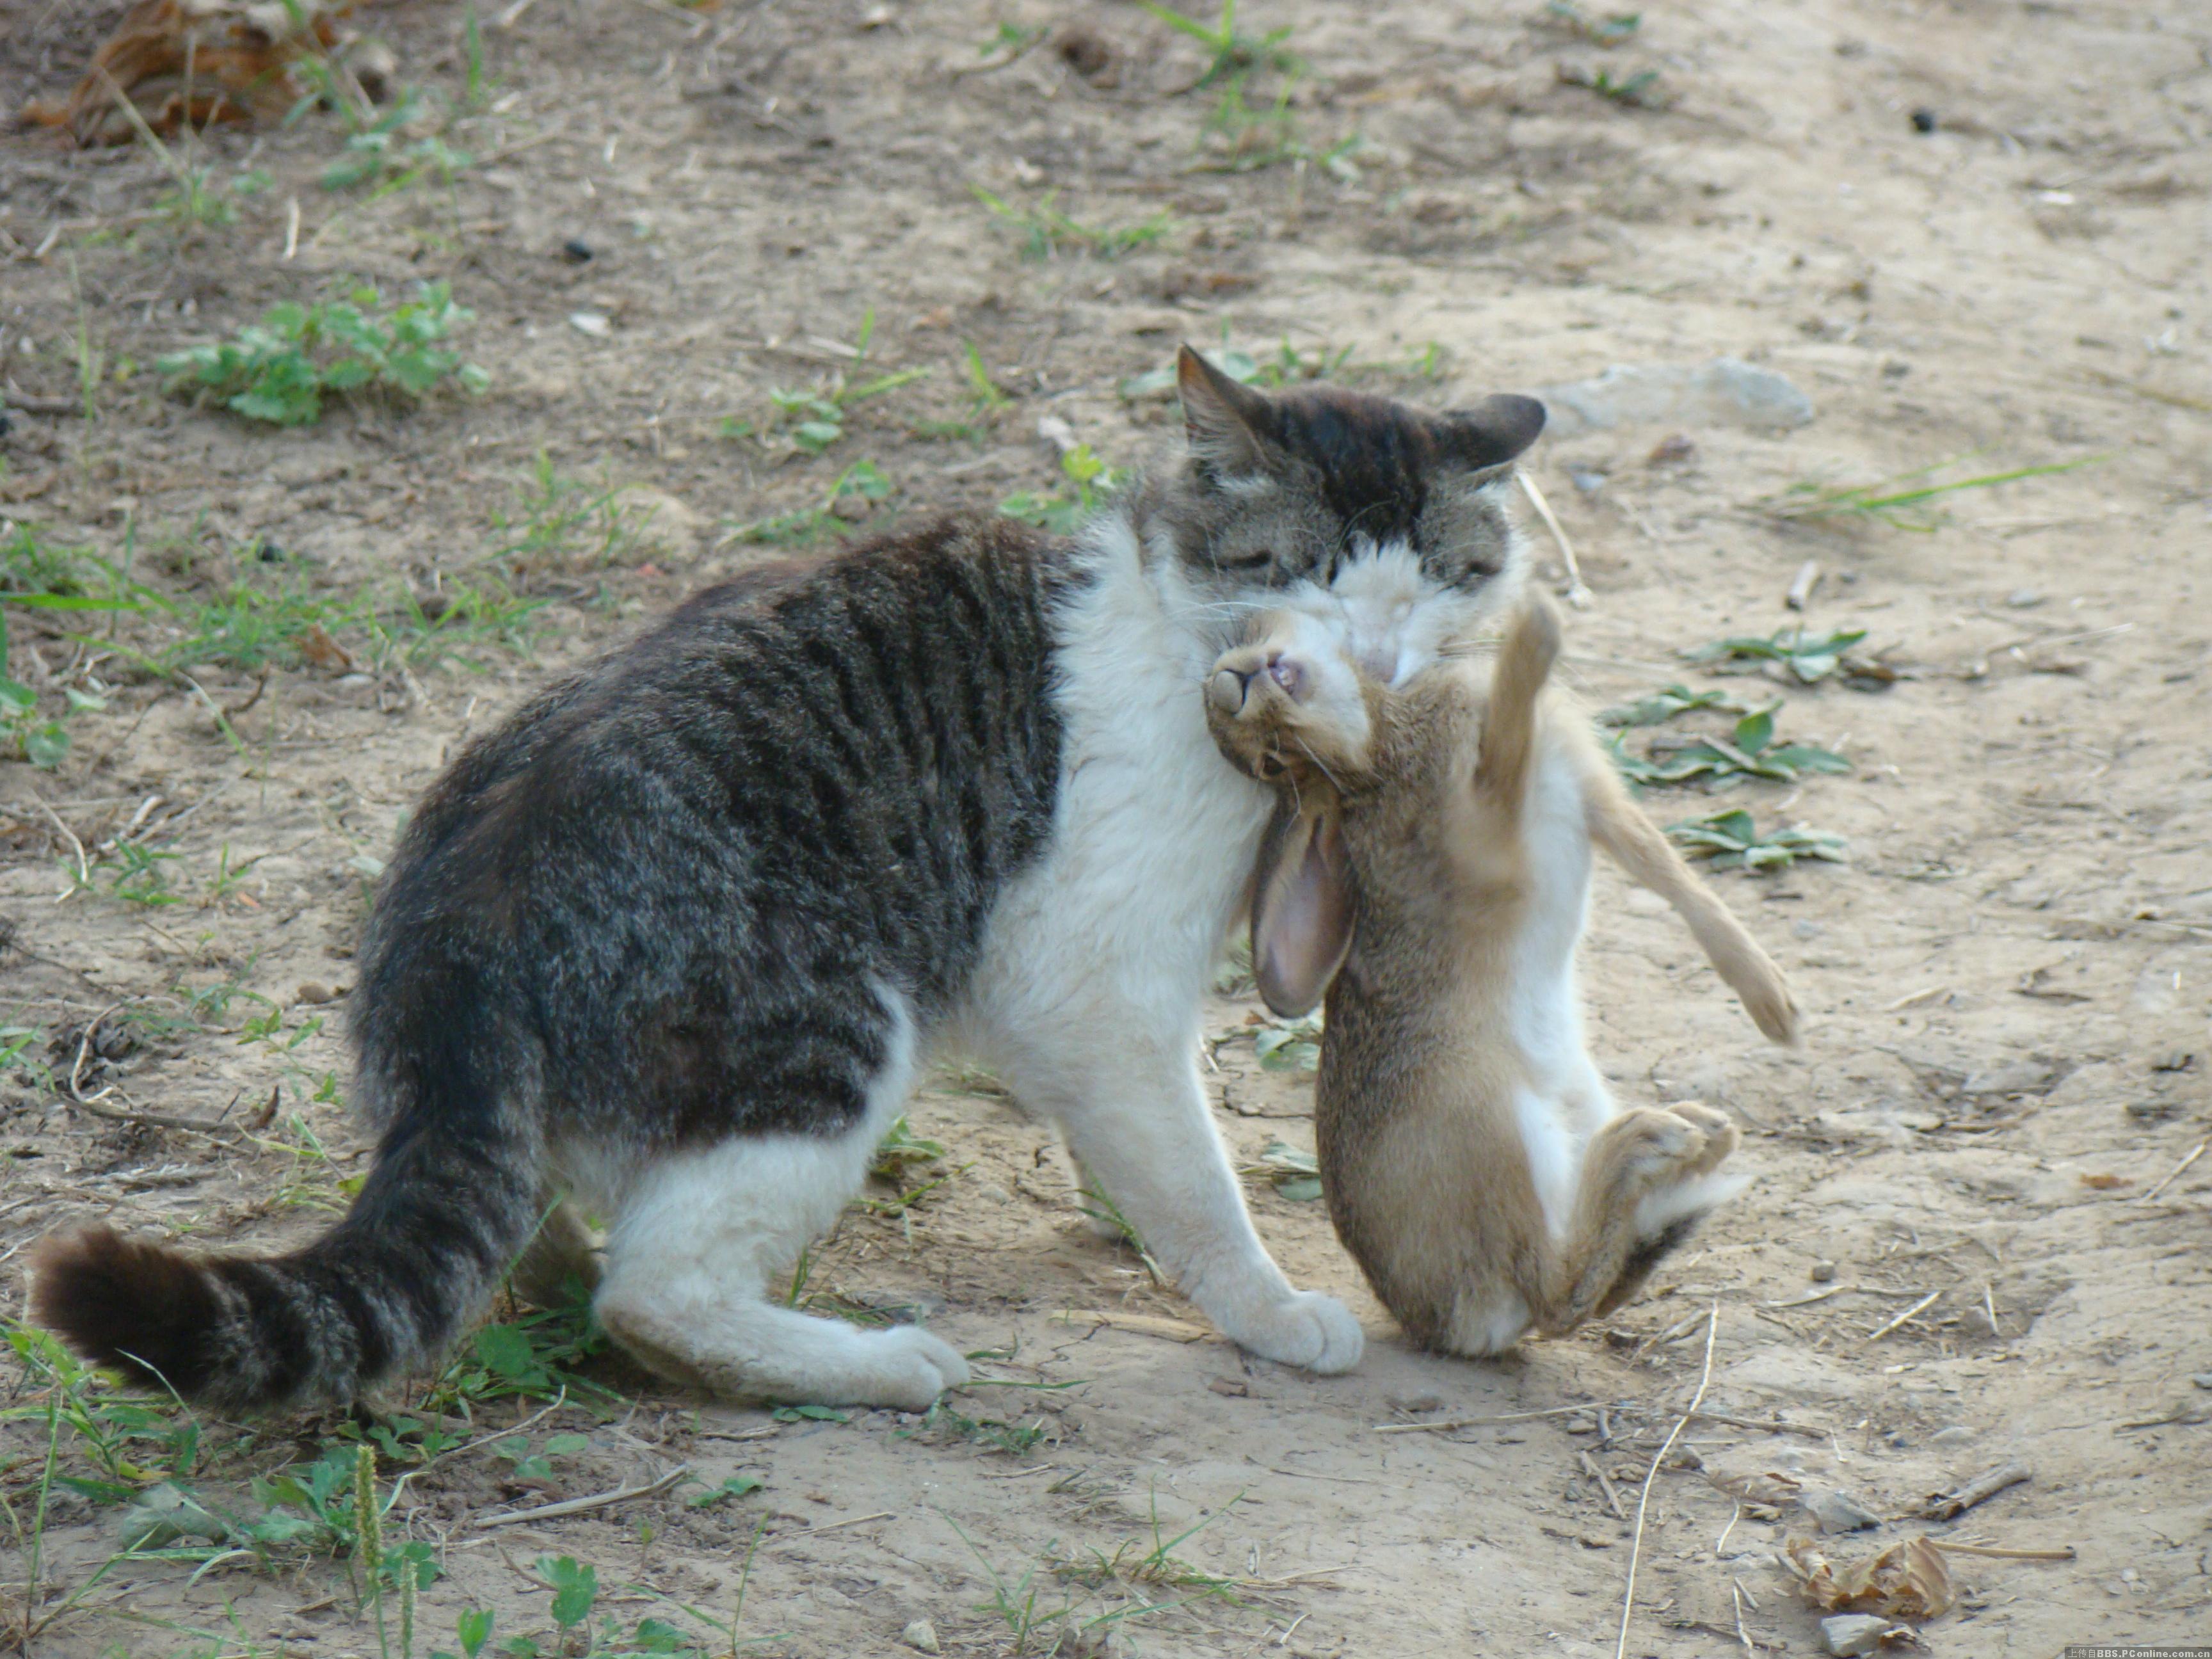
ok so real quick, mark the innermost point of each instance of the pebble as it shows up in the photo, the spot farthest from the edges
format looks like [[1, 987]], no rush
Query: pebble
[[576, 251], [1851, 1633], [2203, 1379], [1837, 1511], [1824, 1272], [1726, 392], [921, 1635], [1924, 121], [1957, 1435], [2023, 598], [592, 323]]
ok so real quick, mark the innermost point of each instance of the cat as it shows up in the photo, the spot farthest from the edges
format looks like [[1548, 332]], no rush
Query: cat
[[672, 944]]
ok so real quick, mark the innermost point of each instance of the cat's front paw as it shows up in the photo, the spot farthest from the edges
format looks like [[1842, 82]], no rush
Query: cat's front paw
[[1307, 1328], [909, 1368]]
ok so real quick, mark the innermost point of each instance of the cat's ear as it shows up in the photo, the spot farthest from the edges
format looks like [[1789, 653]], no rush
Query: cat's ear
[[1227, 423], [1302, 910], [1492, 433]]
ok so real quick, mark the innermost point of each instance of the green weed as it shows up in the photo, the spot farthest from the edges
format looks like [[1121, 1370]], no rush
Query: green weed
[[1809, 657], [563, 522], [1015, 1603], [381, 152], [861, 482], [1289, 1045], [1296, 1174], [1751, 753], [1045, 229], [1159, 1566], [1060, 511], [815, 417], [1249, 140], [1613, 29], [1730, 842], [1234, 54], [280, 369], [1902, 503], [1669, 701]]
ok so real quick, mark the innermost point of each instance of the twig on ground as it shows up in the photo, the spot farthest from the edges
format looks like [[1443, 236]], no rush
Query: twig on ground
[[2174, 1173], [1478, 1422], [1800, 590], [1889, 1325], [83, 868], [578, 1505], [1644, 1503], [1949, 1506], [1952, 1546], [1605, 1483]]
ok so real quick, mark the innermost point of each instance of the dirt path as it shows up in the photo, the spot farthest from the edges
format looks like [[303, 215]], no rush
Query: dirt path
[[2007, 981]]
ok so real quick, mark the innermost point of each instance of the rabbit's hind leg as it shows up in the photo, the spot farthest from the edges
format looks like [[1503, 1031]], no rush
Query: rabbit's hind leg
[[1647, 1180]]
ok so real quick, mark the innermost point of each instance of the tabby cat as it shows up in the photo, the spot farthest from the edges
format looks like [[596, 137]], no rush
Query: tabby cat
[[672, 944]]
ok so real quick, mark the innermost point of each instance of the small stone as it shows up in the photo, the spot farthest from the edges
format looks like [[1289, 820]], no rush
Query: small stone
[[576, 251], [1957, 1435], [1849, 1634], [1672, 450], [1725, 391], [312, 991], [1838, 1512], [2023, 598], [1824, 1272], [921, 1635], [2203, 1379], [1924, 121], [592, 323]]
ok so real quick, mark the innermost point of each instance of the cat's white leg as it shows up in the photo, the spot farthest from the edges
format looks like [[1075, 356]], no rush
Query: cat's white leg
[[1136, 1119], [699, 1237]]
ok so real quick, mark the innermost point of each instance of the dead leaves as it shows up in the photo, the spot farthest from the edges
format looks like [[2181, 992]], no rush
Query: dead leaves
[[200, 61], [1909, 1580]]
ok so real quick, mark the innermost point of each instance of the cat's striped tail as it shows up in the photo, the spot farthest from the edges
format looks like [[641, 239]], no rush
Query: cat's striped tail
[[453, 1200]]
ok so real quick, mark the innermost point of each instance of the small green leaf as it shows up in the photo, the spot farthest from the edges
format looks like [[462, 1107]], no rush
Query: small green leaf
[[738, 1485], [568, 1445], [574, 1589], [809, 1414], [474, 1628], [47, 746]]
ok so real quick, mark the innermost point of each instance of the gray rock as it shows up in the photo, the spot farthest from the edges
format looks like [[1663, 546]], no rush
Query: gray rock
[[1957, 1435], [1726, 392], [2201, 1379], [1838, 1512], [1824, 1272], [921, 1637], [1852, 1632]]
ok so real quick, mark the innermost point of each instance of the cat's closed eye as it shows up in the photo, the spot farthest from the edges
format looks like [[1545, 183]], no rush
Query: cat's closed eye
[[1258, 558]]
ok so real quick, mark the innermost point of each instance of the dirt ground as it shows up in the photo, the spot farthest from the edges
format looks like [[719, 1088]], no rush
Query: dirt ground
[[2007, 983]]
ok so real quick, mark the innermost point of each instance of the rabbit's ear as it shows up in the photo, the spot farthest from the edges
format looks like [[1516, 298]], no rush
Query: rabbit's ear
[[1302, 910]]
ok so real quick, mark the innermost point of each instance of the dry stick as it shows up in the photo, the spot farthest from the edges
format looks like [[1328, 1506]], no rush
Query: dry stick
[[1611, 1498], [835, 1526], [83, 869], [1578, 595], [2063, 1552], [1636, 1544], [1949, 1506], [578, 1506], [1800, 590], [2176, 1173], [1477, 1422], [1885, 1328]]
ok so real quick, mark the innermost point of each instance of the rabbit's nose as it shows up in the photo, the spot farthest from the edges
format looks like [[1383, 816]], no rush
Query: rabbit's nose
[[1226, 689]]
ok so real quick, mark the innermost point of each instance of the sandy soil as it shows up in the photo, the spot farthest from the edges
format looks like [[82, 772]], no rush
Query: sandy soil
[[2007, 984]]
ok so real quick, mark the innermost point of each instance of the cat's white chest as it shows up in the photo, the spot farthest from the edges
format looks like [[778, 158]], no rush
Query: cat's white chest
[[1153, 839]]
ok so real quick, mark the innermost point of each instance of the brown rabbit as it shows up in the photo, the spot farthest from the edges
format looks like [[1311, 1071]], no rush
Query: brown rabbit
[[1428, 870]]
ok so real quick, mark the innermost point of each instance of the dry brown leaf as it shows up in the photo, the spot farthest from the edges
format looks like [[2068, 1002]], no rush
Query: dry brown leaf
[[2106, 1183], [324, 652], [1907, 1580], [197, 60]]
